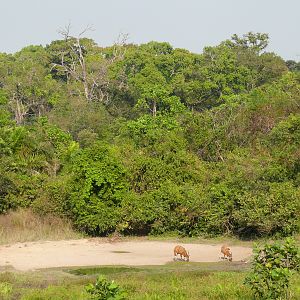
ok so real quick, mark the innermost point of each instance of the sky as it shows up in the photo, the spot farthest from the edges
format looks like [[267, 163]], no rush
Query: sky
[[189, 24]]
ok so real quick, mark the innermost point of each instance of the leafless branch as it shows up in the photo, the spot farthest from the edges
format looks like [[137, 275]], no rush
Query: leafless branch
[[65, 31], [86, 29], [95, 81]]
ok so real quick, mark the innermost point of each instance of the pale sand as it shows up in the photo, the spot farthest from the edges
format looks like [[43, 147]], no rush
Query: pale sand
[[92, 252]]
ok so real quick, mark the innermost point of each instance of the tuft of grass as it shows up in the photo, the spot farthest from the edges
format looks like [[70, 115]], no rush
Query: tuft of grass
[[23, 225], [5, 290], [57, 293]]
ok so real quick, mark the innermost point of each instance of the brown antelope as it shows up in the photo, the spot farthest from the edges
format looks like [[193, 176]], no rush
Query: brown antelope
[[225, 250], [182, 252]]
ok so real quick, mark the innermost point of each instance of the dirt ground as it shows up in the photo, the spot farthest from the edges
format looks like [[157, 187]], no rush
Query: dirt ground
[[92, 252]]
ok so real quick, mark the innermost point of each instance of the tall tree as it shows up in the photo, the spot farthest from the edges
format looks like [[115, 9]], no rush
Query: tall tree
[[82, 60]]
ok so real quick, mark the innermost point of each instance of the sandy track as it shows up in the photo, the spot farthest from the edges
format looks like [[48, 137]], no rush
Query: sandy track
[[91, 252]]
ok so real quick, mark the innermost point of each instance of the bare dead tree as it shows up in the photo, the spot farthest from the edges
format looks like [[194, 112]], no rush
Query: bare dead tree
[[95, 83], [20, 109], [100, 81], [77, 68], [18, 104]]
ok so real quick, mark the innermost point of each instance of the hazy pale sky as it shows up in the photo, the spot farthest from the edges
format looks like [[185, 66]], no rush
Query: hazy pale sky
[[190, 24]]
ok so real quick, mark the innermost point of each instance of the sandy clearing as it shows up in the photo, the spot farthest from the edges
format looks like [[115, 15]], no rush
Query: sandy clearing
[[91, 252]]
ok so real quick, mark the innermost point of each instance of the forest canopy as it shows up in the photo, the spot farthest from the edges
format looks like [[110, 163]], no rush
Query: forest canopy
[[152, 139]]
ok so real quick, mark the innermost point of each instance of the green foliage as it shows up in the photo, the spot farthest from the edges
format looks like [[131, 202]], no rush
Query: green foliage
[[29, 88], [152, 139], [224, 76], [254, 41], [5, 290], [154, 95], [275, 210], [72, 292], [293, 65], [55, 198], [105, 290], [273, 266], [3, 97], [98, 184], [262, 66]]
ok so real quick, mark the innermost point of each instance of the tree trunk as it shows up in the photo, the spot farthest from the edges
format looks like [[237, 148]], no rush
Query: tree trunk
[[154, 108], [20, 112]]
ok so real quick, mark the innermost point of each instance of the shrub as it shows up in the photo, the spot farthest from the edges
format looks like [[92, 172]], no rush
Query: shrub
[[98, 185], [5, 290], [105, 290], [273, 211], [273, 266]]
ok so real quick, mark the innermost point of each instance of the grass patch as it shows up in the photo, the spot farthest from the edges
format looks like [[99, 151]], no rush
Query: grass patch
[[174, 281], [57, 293], [170, 267], [24, 226], [186, 285], [103, 270]]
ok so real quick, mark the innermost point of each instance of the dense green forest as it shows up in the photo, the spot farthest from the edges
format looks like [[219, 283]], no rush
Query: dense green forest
[[149, 139]]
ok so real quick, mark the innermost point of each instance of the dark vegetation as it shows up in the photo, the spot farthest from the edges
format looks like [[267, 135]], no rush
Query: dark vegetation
[[150, 139]]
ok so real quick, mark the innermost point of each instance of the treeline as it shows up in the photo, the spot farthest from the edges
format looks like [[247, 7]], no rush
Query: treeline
[[146, 138]]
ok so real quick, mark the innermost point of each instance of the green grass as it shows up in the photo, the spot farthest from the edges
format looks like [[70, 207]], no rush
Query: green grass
[[167, 268], [104, 270], [173, 281], [176, 281]]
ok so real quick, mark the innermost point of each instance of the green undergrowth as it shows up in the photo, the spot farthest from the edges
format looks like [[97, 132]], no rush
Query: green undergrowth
[[174, 281]]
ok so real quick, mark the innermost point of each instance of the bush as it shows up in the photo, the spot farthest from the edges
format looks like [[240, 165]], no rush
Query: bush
[[273, 211], [98, 185], [5, 290], [273, 266], [105, 290]]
